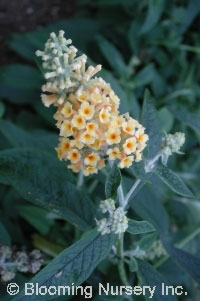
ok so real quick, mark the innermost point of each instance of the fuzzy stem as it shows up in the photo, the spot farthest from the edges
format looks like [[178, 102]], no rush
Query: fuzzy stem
[[121, 196], [80, 180], [148, 167], [121, 266], [129, 194]]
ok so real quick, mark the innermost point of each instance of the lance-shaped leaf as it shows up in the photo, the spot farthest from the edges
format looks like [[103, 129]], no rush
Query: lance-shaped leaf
[[2, 109], [150, 121], [155, 280], [182, 114], [73, 265], [148, 207], [112, 55], [19, 137], [4, 236], [172, 180], [112, 182], [139, 227], [40, 178], [139, 172], [189, 262], [154, 13]]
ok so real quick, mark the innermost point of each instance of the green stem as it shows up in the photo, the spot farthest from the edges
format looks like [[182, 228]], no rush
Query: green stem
[[80, 180], [121, 196], [121, 266], [129, 194]]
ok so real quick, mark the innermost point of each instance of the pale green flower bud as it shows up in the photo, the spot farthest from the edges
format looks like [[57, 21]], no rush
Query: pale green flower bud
[[107, 206], [171, 144], [7, 276], [116, 222]]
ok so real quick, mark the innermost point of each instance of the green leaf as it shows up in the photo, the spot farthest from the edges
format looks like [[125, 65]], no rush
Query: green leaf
[[151, 122], [113, 181], [18, 137], [172, 180], [191, 119], [139, 227], [154, 279], [47, 246], [73, 265], [19, 95], [41, 179], [154, 13], [144, 76], [191, 13], [2, 109], [146, 242], [39, 218], [4, 236], [20, 76], [139, 172], [112, 55], [133, 266], [147, 205], [166, 119], [190, 262]]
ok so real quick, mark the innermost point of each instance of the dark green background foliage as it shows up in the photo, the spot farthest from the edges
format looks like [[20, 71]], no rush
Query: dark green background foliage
[[141, 44]]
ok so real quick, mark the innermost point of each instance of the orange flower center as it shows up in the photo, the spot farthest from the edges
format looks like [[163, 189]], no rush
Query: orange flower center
[[87, 111], [113, 136]]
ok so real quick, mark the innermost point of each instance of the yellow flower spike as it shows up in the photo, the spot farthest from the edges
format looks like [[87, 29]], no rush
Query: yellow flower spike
[[141, 136], [74, 156], [84, 96], [91, 159], [104, 115], [78, 122], [92, 127], [101, 164], [138, 156], [60, 152], [113, 136], [96, 97], [95, 145], [126, 162], [113, 153], [128, 128], [67, 110], [75, 168], [130, 145], [66, 129], [89, 170], [86, 110], [49, 99], [76, 143], [65, 144], [87, 138]]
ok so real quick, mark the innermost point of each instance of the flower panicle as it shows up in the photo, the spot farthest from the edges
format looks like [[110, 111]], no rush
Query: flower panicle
[[116, 222], [91, 127], [12, 261]]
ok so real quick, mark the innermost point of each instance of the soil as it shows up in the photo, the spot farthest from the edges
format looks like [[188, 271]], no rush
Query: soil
[[19, 16]]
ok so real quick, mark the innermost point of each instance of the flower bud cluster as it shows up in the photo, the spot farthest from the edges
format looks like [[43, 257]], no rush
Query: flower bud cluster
[[12, 261], [156, 251], [91, 128], [116, 221], [171, 144]]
